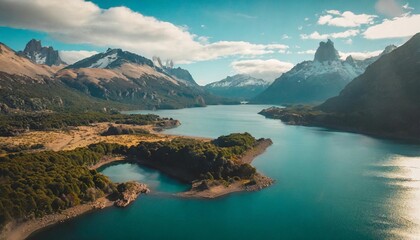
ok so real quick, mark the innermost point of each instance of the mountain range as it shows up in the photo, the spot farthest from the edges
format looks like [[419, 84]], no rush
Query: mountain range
[[384, 100], [240, 86], [111, 78], [317, 80]]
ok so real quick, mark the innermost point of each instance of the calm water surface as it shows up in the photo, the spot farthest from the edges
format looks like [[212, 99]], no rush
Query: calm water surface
[[329, 185]]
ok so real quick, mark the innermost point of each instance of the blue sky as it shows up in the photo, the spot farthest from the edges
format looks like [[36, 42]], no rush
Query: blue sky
[[212, 39]]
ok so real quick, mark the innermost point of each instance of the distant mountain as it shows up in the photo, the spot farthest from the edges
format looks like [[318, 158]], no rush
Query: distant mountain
[[239, 86], [317, 80], [126, 77], [41, 55], [113, 79], [178, 73], [384, 100]]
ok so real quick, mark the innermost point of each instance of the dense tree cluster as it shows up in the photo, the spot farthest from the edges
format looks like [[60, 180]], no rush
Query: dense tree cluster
[[32, 185], [36, 184], [14, 123], [119, 130], [191, 159]]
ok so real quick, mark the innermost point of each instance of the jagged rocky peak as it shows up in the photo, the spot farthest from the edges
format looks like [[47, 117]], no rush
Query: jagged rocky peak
[[158, 62], [33, 46], [326, 52], [41, 55], [389, 49]]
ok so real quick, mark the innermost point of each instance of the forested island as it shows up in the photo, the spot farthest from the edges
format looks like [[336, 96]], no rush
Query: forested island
[[42, 184]]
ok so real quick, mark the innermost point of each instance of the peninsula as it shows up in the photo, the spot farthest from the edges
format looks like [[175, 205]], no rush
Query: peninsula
[[70, 155]]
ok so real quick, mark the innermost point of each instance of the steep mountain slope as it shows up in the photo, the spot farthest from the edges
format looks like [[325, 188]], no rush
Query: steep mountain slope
[[239, 86], [384, 100], [26, 86], [41, 55], [387, 95], [314, 81], [129, 78], [13, 64]]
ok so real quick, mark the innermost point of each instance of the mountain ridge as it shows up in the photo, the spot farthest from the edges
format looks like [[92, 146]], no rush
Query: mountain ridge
[[314, 81], [241, 86]]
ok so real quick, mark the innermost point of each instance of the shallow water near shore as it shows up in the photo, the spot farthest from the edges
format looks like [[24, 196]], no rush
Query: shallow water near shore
[[329, 185]]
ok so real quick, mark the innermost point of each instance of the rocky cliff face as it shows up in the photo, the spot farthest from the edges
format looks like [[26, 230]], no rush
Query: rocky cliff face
[[129, 191], [326, 52], [41, 55]]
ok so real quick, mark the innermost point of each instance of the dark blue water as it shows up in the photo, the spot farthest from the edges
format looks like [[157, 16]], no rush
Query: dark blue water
[[329, 185]]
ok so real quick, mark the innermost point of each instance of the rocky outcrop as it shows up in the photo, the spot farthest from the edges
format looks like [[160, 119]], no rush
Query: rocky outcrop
[[41, 55], [326, 52], [129, 191], [166, 123]]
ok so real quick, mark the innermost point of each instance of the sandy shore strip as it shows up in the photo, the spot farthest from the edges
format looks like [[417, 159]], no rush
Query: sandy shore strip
[[19, 231], [108, 160]]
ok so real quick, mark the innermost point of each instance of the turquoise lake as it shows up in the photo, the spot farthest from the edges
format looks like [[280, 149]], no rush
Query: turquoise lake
[[329, 185]]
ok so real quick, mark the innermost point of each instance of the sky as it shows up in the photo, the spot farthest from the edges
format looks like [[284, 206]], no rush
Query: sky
[[212, 38]]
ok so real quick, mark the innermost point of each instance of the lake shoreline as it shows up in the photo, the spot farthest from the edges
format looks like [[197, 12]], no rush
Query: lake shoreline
[[219, 189], [18, 231]]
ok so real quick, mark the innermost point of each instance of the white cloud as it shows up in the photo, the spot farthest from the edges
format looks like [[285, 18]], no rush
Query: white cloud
[[345, 19], [71, 57], [83, 22], [307, 52], [390, 8], [306, 19], [334, 12], [398, 27], [265, 69], [360, 55], [300, 28], [317, 36], [285, 36]]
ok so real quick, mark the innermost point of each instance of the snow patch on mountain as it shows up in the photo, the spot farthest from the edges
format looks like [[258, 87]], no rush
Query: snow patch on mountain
[[105, 61]]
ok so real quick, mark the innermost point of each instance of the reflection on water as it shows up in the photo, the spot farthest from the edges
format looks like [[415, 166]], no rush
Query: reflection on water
[[156, 181], [403, 173]]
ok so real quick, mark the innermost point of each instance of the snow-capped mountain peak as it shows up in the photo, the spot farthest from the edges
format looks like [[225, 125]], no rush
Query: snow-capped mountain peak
[[240, 86], [239, 80], [317, 80]]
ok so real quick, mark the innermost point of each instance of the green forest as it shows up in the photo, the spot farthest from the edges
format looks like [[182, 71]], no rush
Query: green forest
[[13, 124], [35, 184]]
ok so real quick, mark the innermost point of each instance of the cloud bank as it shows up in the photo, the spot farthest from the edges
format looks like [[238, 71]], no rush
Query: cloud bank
[[83, 22], [345, 19], [265, 69], [71, 57], [405, 26], [318, 36]]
